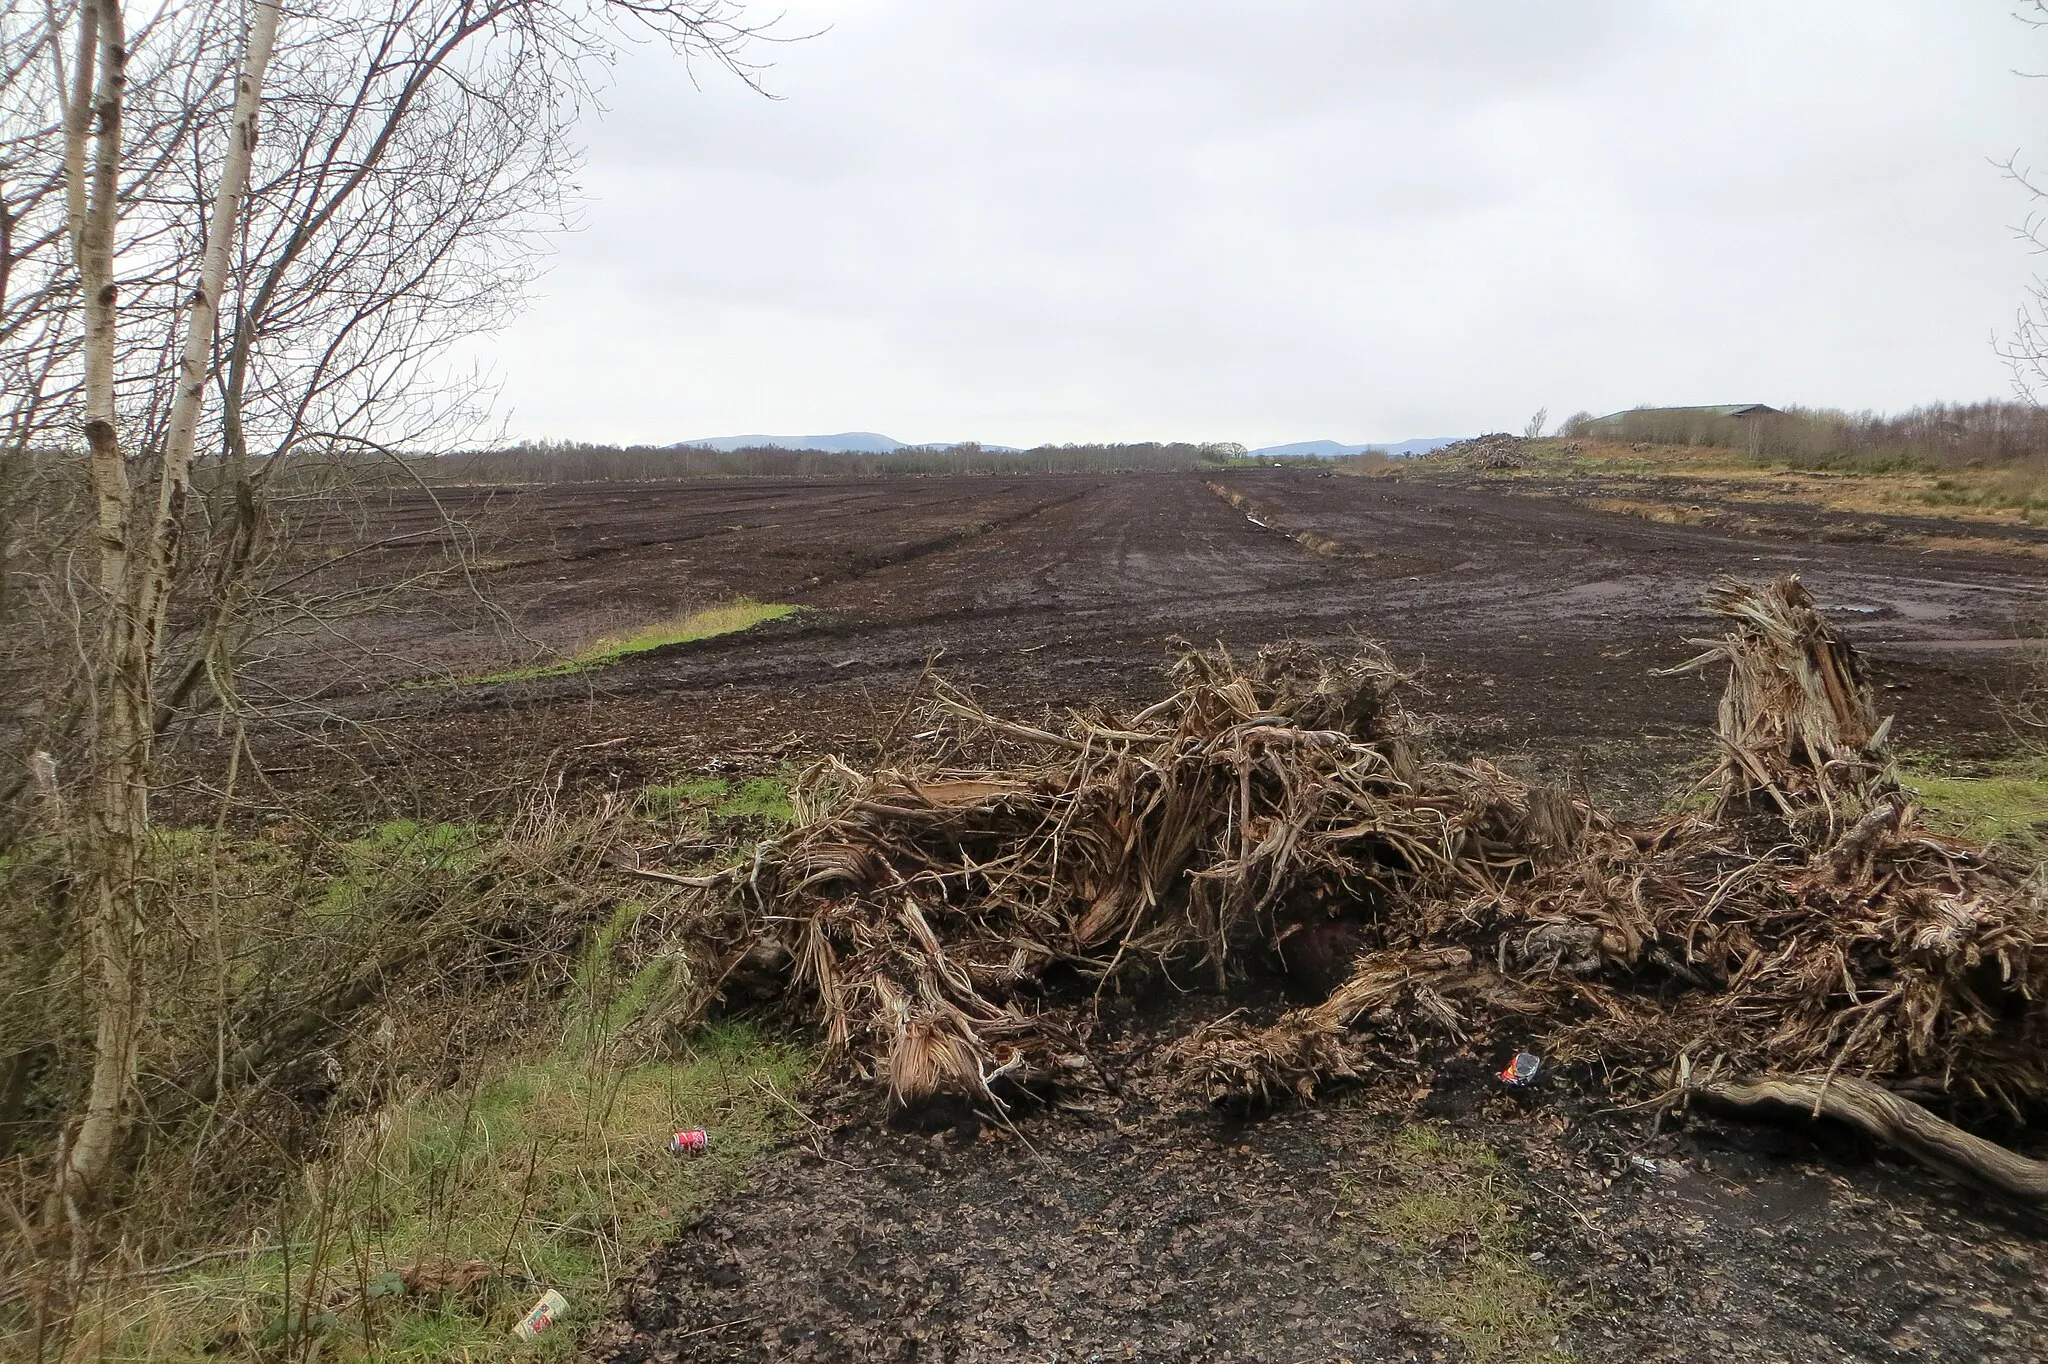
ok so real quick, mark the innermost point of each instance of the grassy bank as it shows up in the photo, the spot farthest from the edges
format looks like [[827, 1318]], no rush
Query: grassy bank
[[2002, 802], [444, 1218], [396, 1086]]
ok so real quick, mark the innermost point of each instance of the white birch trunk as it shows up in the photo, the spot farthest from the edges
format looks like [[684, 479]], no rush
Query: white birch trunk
[[93, 128], [195, 364], [137, 571]]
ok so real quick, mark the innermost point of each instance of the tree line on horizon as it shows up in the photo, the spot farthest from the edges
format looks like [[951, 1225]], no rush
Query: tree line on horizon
[[586, 462], [1934, 435], [1929, 436]]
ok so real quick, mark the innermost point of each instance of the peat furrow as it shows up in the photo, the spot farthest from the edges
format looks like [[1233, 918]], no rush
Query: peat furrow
[[1315, 542]]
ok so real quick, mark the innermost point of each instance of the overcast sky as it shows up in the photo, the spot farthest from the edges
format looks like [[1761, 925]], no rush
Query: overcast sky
[[1355, 219]]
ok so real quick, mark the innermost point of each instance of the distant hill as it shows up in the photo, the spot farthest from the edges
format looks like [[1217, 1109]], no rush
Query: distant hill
[[1330, 449], [845, 443], [1421, 445]]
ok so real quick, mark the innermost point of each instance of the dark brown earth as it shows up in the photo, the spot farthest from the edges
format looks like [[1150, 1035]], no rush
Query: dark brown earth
[[1138, 1230], [1535, 626], [1145, 1233]]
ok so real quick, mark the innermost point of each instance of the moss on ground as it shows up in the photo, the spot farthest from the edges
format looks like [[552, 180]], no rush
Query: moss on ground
[[742, 613], [1446, 1205]]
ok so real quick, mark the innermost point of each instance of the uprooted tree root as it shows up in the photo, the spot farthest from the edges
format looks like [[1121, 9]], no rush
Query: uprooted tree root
[[1879, 1113], [935, 919]]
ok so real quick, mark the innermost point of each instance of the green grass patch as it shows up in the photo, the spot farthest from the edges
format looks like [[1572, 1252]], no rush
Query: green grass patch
[[372, 869], [432, 1240], [2005, 802], [1446, 1207], [741, 613], [1854, 462], [665, 802], [756, 797], [2022, 487], [761, 798]]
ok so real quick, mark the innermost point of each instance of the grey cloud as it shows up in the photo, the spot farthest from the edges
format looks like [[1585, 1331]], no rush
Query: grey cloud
[[1292, 220]]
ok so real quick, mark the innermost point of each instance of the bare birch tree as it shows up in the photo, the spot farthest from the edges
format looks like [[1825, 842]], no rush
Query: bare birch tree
[[2025, 350], [235, 235]]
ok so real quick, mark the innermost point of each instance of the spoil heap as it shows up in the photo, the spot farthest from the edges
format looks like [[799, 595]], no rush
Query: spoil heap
[[1500, 450], [949, 924], [1808, 925]]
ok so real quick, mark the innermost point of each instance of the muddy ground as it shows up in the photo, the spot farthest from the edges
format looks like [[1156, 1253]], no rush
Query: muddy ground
[[1144, 1232], [1535, 626], [1139, 1230]]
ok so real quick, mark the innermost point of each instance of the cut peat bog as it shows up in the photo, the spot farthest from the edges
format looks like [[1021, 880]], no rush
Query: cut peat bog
[[1535, 625], [1165, 940], [1155, 876], [1486, 900]]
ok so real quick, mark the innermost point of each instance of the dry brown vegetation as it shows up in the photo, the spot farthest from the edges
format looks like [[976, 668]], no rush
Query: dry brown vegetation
[[1936, 435], [944, 922], [1722, 487]]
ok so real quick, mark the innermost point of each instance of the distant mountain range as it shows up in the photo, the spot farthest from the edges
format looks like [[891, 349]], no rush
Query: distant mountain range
[[875, 443], [1330, 449]]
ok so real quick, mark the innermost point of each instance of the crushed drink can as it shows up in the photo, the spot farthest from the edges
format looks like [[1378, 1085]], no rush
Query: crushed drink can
[[544, 1314], [693, 1142], [1523, 1068]]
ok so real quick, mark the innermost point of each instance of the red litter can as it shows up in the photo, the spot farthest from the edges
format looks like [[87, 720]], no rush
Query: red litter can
[[1522, 1070], [694, 1142]]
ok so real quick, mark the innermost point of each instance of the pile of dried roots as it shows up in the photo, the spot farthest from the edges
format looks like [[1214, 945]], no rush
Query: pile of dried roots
[[948, 924]]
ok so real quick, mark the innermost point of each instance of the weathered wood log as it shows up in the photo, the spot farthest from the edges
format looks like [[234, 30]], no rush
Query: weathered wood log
[[1898, 1122]]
